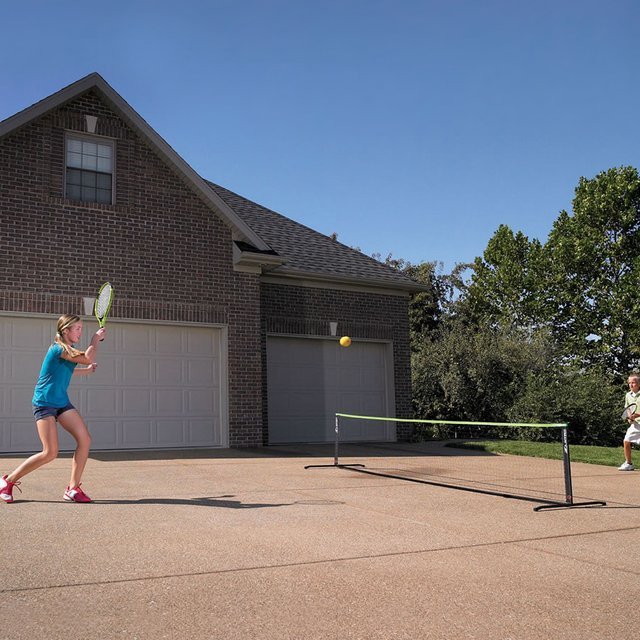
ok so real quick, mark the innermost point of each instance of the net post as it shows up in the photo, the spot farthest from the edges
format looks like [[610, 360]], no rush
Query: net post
[[568, 485], [336, 462], [566, 459]]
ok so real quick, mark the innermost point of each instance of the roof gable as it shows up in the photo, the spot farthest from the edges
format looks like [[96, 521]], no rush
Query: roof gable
[[94, 81]]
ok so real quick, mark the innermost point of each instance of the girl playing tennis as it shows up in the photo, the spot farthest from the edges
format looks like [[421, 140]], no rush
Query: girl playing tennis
[[51, 403]]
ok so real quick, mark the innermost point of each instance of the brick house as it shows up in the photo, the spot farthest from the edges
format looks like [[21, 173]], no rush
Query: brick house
[[221, 330]]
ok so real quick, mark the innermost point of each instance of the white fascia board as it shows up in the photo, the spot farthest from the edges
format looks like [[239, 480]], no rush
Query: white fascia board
[[285, 275]]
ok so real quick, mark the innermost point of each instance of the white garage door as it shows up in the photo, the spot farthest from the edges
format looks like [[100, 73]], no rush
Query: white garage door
[[309, 380], [157, 386]]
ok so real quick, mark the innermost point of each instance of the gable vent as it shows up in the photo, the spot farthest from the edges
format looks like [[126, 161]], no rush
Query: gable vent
[[91, 123]]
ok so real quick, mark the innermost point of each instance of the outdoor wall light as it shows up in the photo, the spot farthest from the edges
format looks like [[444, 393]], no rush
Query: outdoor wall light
[[88, 306]]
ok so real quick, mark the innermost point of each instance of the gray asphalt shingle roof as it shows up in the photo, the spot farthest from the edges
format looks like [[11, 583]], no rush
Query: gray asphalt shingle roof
[[309, 252]]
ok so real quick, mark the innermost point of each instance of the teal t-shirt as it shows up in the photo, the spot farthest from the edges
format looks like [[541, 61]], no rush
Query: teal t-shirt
[[55, 376]]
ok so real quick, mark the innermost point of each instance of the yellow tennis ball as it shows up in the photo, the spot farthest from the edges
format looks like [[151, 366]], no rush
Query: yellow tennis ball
[[345, 341]]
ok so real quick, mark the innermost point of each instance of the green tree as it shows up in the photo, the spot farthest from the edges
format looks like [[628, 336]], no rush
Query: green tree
[[428, 308], [594, 272], [508, 282]]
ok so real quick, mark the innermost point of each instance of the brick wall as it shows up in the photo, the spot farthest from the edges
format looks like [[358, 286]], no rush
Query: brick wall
[[290, 309], [168, 256]]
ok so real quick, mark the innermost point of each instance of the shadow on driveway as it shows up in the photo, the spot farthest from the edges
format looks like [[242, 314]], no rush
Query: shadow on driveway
[[212, 501]]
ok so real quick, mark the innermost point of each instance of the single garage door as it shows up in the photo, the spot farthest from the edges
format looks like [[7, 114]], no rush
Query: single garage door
[[309, 380], [156, 386]]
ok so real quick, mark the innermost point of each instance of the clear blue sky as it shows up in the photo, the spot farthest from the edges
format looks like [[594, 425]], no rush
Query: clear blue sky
[[408, 127]]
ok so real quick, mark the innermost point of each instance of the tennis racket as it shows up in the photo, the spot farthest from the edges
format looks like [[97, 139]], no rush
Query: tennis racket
[[629, 410], [103, 304]]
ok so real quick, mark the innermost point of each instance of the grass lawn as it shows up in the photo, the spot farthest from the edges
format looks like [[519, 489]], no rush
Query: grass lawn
[[609, 456]]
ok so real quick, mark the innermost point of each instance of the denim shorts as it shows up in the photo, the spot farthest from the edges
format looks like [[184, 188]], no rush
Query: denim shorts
[[45, 412]]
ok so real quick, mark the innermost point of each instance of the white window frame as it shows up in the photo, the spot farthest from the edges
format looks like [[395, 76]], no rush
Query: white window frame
[[97, 140]]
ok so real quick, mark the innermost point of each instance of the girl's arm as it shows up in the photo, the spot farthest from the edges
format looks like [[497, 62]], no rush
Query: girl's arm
[[89, 355], [92, 349], [85, 371]]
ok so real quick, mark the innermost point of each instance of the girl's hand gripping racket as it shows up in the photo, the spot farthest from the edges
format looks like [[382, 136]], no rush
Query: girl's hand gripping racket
[[629, 410], [103, 304]]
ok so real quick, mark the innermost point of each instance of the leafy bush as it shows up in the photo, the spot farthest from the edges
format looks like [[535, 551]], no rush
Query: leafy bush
[[588, 401]]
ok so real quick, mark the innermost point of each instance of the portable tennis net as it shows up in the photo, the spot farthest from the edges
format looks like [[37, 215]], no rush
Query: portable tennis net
[[458, 460]]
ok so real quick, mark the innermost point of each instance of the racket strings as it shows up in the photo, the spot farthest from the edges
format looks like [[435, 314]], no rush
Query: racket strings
[[103, 302]]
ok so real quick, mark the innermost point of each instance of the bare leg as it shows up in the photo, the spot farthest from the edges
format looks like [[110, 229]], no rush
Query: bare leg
[[627, 451], [72, 422], [48, 433]]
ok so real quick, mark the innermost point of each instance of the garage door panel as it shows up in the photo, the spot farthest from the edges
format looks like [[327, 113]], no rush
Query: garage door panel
[[99, 401], [137, 370], [200, 372], [20, 399], [201, 431], [21, 370], [168, 371], [350, 377], [354, 403], [368, 357], [201, 345], [144, 394], [372, 403], [22, 434], [24, 366], [137, 432], [170, 341], [104, 433], [135, 340], [107, 369], [372, 377], [138, 401], [27, 333], [199, 401], [169, 401], [170, 432]]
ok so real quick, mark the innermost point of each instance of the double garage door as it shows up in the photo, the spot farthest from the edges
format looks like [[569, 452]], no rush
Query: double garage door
[[309, 380], [156, 386]]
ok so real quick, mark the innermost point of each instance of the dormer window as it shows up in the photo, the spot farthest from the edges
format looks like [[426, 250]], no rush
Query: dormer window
[[89, 176]]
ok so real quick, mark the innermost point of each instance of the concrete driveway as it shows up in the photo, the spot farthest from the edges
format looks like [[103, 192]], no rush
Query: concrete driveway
[[249, 544]]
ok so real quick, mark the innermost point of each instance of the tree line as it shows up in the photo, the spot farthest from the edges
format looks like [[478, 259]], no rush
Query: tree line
[[532, 331]]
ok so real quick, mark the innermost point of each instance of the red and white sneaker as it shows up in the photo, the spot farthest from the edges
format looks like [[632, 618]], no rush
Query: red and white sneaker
[[6, 489], [76, 495]]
